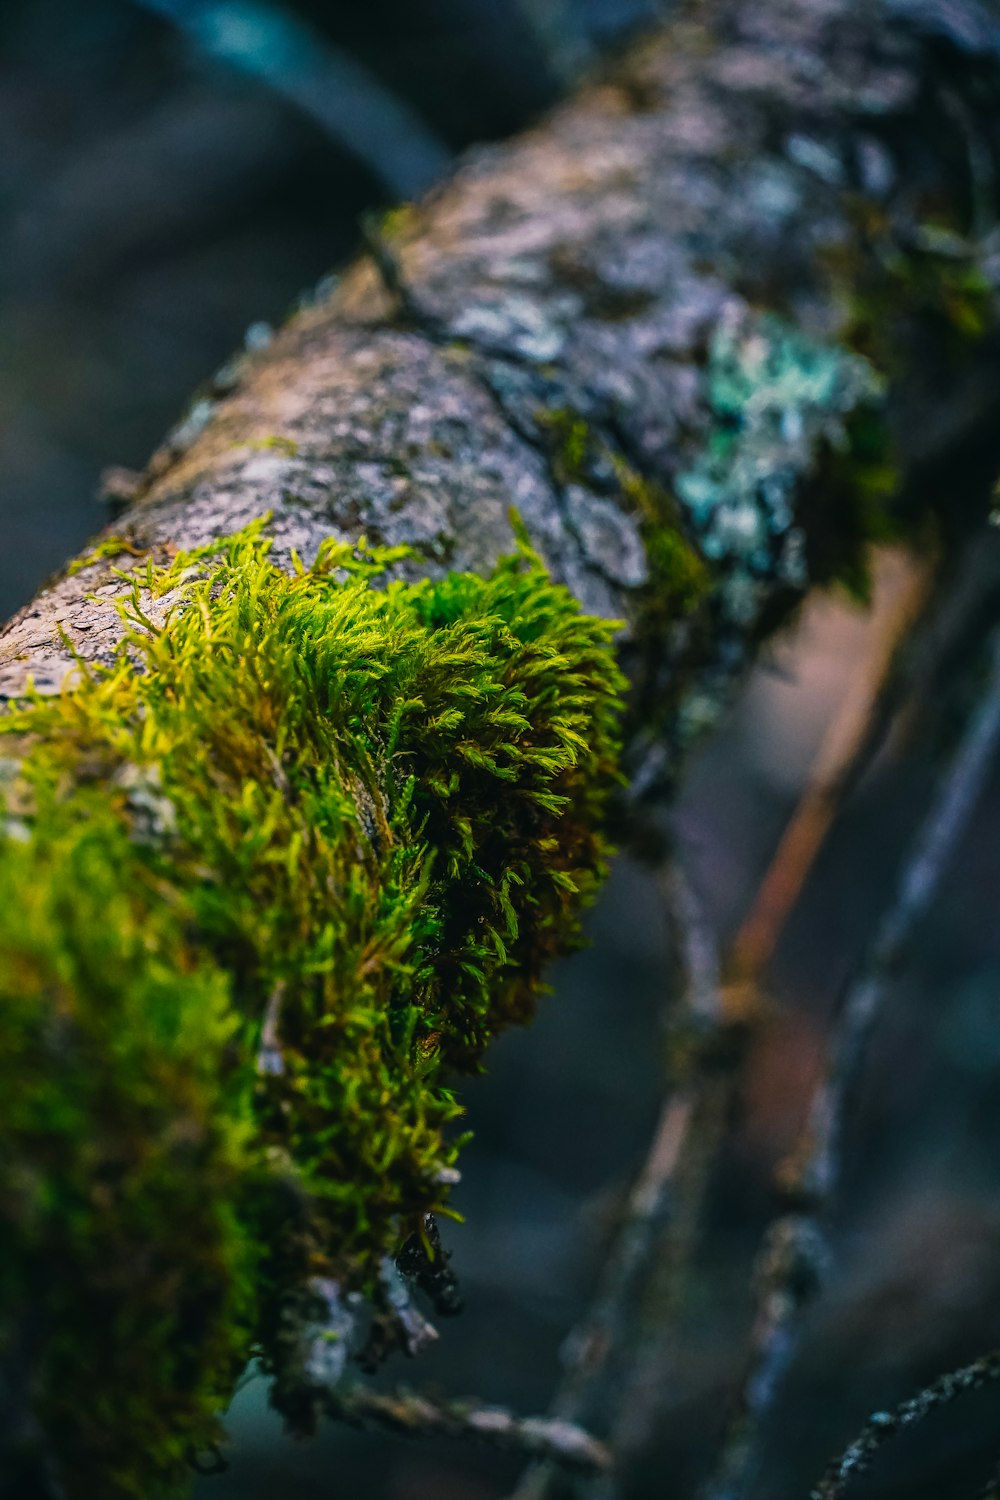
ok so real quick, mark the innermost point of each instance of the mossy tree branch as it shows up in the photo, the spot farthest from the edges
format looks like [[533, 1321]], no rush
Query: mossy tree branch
[[709, 330]]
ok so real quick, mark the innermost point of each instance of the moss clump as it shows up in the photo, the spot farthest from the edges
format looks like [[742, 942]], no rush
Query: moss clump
[[679, 579], [573, 445], [109, 548], [266, 883], [935, 283], [126, 1272]]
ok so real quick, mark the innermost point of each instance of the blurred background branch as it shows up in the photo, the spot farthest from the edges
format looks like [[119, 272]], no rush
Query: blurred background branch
[[792, 1265], [883, 1426], [347, 101]]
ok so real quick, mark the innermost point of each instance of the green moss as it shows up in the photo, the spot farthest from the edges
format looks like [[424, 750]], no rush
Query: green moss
[[398, 221], [679, 580], [127, 1148], [572, 442], [105, 550], [267, 883], [935, 281], [854, 503], [277, 443]]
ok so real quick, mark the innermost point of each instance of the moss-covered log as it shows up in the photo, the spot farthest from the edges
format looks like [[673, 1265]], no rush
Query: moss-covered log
[[294, 820]]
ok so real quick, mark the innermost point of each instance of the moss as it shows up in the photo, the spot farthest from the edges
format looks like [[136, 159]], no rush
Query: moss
[[106, 550], [267, 882], [934, 282], [127, 1140], [853, 503], [679, 580], [571, 440], [277, 443], [396, 222]]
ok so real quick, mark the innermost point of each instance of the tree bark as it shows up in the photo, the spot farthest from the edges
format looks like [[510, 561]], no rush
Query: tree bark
[[709, 329], [552, 309]]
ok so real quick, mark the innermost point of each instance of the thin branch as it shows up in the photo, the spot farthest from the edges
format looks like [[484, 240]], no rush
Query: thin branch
[[675, 1178], [271, 43], [605, 1330], [853, 737], [934, 847], [560, 1443], [884, 1425], [791, 1265], [847, 746]]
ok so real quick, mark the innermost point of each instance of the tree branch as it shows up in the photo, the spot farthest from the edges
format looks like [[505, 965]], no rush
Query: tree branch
[[882, 1426], [557, 1442], [640, 326], [599, 1343]]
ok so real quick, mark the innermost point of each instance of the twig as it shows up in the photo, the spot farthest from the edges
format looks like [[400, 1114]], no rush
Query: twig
[[853, 737], [792, 1262], [557, 1442], [605, 1329], [270, 1062], [692, 1122], [270, 42], [935, 844], [883, 1425], [846, 747]]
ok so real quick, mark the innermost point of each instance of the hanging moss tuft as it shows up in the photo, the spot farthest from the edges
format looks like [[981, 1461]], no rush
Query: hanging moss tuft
[[266, 883]]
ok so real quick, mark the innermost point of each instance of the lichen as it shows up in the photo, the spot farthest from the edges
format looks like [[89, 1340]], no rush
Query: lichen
[[268, 882], [777, 399]]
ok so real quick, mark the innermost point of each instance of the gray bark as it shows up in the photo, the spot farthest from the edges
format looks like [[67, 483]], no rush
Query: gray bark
[[774, 157]]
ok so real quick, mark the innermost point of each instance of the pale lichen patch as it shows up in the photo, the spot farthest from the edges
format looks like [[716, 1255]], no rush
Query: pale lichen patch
[[777, 398]]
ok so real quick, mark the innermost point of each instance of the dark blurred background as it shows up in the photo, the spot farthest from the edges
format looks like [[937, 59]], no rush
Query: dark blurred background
[[173, 173]]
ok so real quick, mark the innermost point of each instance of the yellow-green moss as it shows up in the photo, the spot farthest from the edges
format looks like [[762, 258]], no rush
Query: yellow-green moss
[[277, 443], [679, 580], [267, 883], [936, 279], [106, 550], [572, 442]]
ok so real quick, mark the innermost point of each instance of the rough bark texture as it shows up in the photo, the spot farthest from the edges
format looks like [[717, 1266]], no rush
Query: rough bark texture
[[786, 158], [663, 327]]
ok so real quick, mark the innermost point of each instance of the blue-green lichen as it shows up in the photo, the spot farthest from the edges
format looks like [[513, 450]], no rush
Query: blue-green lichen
[[266, 884], [777, 398]]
